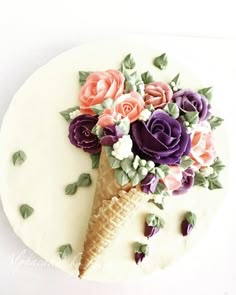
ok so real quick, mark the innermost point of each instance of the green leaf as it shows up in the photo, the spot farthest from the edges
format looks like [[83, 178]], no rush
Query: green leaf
[[160, 222], [121, 177], [158, 205], [218, 165], [136, 179], [147, 77], [129, 62], [191, 218], [124, 125], [18, 158], [160, 188], [126, 165], [66, 114], [161, 61], [191, 117], [65, 250], [141, 248], [71, 189], [151, 219], [134, 82], [199, 179], [108, 103], [215, 122], [175, 83], [95, 158], [214, 183], [114, 163], [186, 162], [26, 211], [159, 173], [172, 109], [83, 77], [131, 173], [207, 92], [84, 180], [98, 109], [136, 162]]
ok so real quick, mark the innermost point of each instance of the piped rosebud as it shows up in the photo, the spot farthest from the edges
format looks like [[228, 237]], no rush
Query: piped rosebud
[[188, 223], [152, 225], [140, 251]]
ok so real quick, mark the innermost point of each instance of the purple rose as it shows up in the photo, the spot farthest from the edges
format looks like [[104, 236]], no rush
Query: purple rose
[[191, 101], [187, 181], [112, 134], [149, 183], [162, 139], [81, 136]]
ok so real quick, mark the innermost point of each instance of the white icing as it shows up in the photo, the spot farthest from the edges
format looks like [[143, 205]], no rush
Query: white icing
[[52, 162], [122, 149]]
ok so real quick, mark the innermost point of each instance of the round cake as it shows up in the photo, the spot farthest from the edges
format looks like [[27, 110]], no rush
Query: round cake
[[50, 179]]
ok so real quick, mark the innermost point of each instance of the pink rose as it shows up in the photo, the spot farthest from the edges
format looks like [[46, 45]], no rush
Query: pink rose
[[98, 87], [202, 147], [173, 180], [130, 105], [107, 118], [158, 94]]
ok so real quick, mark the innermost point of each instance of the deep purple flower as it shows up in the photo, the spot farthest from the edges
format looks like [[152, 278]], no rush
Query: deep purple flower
[[149, 183], [138, 257], [152, 225], [186, 228], [162, 139], [187, 181], [81, 136], [150, 230], [191, 101], [112, 134]]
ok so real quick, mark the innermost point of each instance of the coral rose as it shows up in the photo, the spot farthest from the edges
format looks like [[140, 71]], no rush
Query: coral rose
[[98, 87], [202, 146], [158, 94], [107, 118], [173, 180], [130, 105]]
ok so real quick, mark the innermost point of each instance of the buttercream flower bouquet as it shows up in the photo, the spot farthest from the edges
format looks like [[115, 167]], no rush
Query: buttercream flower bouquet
[[147, 138]]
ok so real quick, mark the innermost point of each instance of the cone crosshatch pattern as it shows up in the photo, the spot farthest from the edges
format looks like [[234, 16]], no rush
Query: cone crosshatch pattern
[[112, 207]]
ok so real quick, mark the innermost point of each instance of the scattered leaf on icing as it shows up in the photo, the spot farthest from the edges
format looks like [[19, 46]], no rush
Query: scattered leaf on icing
[[26, 211], [65, 250], [18, 158]]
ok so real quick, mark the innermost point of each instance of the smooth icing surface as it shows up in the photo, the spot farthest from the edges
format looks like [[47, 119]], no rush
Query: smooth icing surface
[[34, 125]]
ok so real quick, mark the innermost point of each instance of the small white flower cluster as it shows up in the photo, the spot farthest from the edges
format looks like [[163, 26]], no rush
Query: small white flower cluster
[[206, 171], [122, 149], [74, 114], [145, 115], [174, 86]]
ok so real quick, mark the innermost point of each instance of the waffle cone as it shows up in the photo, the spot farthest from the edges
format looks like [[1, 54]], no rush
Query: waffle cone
[[112, 207]]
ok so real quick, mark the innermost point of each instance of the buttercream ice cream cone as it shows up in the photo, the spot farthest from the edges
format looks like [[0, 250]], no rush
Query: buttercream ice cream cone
[[112, 207]]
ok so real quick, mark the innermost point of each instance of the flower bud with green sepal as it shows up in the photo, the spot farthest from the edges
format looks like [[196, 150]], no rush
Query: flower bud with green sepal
[[153, 224], [188, 223], [140, 251]]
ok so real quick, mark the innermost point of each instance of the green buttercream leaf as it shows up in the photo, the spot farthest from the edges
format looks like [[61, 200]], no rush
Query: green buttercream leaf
[[191, 218], [215, 122], [114, 163], [71, 189], [214, 183], [26, 211], [126, 165], [124, 125], [98, 109], [158, 205], [136, 179], [95, 158], [160, 222], [134, 82], [84, 180], [172, 109], [165, 169], [150, 107], [159, 173], [151, 219], [147, 77], [161, 61], [160, 188], [199, 179], [186, 162], [129, 62], [175, 83], [66, 113], [131, 173], [18, 158], [121, 177], [108, 103], [65, 250], [83, 75], [136, 162], [218, 165], [207, 92], [191, 117], [141, 248]]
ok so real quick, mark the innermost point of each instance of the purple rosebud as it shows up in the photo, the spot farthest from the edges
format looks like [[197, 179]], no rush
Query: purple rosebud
[[149, 183], [138, 257], [187, 181], [150, 231], [81, 136], [186, 228], [111, 135], [162, 139], [191, 101]]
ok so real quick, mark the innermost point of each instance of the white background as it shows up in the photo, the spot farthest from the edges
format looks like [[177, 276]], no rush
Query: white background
[[31, 32]]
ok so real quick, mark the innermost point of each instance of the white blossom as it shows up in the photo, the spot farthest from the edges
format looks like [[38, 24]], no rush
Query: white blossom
[[122, 149], [145, 115], [206, 171], [74, 114]]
